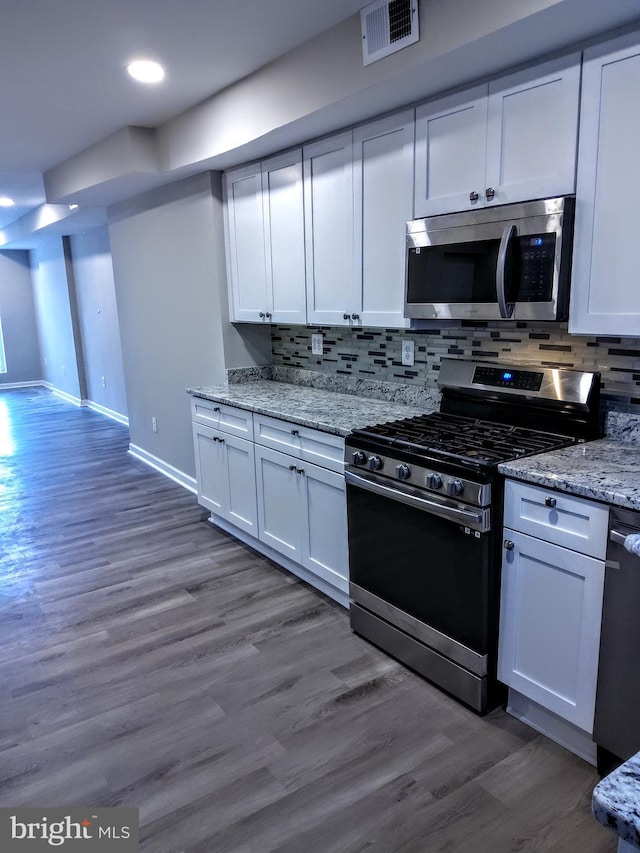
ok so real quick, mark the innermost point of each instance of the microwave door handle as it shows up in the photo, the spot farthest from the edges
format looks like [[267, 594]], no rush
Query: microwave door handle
[[506, 308]]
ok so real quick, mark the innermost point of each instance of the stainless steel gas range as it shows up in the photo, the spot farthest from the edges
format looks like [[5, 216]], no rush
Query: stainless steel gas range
[[424, 505]]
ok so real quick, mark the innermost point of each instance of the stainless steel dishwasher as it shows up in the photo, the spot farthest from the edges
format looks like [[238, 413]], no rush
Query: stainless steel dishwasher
[[616, 728]]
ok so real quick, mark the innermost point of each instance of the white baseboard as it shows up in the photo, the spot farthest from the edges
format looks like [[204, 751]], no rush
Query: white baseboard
[[38, 383], [169, 471], [108, 413], [69, 398], [295, 569], [554, 727]]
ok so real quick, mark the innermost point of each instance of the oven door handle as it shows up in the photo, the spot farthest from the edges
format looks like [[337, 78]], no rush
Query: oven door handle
[[476, 520]]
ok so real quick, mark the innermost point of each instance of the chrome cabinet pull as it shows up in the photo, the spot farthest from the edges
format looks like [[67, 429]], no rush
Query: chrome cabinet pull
[[550, 502], [268, 315], [473, 196], [355, 316], [299, 470], [292, 467], [508, 545], [346, 316], [295, 432], [216, 408], [489, 193], [261, 315]]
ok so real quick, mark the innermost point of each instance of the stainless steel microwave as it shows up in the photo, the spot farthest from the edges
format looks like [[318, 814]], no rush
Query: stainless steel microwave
[[509, 262]]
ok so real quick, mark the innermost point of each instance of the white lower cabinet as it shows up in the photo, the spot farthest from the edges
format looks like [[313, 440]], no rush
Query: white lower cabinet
[[226, 476], [280, 513], [302, 514], [551, 609], [292, 506], [550, 626]]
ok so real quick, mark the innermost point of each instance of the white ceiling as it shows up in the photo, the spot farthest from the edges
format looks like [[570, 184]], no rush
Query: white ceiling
[[67, 87]]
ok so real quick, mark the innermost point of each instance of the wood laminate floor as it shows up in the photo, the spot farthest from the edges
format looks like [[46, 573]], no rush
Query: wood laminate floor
[[149, 660]]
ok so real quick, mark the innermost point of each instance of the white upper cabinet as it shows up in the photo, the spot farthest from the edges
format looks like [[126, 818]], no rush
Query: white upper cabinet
[[245, 241], [451, 138], [511, 140], [265, 240], [605, 297], [283, 204], [332, 292], [383, 193]]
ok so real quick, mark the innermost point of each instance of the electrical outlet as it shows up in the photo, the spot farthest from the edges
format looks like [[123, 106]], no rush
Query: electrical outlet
[[407, 352], [154, 424], [316, 344], [104, 382]]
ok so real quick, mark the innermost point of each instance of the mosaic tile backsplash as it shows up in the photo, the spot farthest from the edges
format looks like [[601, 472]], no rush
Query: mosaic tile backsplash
[[376, 353]]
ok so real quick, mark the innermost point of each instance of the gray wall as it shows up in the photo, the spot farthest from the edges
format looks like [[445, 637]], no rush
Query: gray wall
[[53, 310], [17, 312], [168, 261], [98, 320]]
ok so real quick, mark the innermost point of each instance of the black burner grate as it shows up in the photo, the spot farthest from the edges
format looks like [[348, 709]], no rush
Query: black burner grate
[[463, 439]]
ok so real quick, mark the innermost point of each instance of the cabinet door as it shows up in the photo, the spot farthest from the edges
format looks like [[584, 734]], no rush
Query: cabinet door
[[383, 193], [240, 473], [328, 200], [451, 139], [605, 297], [550, 612], [284, 231], [280, 502], [211, 474], [532, 132], [246, 262], [325, 550]]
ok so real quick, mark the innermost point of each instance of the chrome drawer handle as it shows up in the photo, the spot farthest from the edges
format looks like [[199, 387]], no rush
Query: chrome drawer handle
[[509, 545], [473, 196], [489, 193], [550, 502], [346, 316], [216, 408], [295, 432]]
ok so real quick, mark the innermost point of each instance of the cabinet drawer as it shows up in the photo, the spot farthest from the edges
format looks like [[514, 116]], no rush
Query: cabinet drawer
[[312, 445], [565, 520], [229, 419]]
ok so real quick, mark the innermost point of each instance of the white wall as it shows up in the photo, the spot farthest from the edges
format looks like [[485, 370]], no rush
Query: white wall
[[168, 261], [53, 311], [98, 320], [17, 312]]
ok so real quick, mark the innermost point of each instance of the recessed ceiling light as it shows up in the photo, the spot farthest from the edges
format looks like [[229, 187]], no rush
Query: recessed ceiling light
[[146, 71], [5, 201], [73, 206]]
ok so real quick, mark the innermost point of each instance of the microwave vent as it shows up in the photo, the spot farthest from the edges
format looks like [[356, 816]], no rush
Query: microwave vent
[[388, 26]]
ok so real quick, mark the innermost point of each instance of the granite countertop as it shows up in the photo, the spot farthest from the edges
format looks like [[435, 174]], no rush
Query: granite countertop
[[329, 411], [607, 470], [616, 801]]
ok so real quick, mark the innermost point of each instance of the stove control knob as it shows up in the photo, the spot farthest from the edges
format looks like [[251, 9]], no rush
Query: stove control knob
[[358, 457], [375, 463], [403, 472], [434, 481], [454, 487]]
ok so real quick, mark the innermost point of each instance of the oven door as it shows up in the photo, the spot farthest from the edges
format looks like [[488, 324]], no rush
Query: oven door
[[420, 582]]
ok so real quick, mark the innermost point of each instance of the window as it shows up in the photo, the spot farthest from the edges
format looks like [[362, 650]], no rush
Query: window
[[3, 360]]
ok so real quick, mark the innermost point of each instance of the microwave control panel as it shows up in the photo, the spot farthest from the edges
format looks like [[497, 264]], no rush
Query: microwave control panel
[[537, 259]]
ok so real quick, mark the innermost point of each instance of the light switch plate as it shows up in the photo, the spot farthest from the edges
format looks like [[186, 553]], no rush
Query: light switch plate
[[317, 341], [408, 347]]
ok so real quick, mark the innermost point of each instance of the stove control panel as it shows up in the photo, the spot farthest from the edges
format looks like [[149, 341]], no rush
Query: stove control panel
[[497, 377], [391, 471]]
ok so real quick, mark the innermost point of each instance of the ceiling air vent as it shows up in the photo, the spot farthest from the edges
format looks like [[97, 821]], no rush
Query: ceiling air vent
[[388, 26]]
